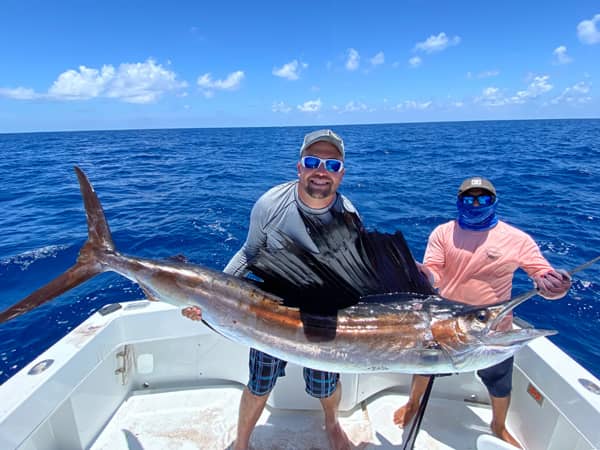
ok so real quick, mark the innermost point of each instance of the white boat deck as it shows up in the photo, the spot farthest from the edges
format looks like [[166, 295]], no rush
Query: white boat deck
[[141, 377], [205, 418]]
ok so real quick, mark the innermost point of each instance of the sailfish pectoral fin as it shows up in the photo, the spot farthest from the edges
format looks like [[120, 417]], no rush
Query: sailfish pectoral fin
[[76, 275], [149, 293]]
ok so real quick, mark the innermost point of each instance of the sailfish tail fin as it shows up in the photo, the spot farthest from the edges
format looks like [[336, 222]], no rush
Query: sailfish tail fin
[[99, 235], [88, 263]]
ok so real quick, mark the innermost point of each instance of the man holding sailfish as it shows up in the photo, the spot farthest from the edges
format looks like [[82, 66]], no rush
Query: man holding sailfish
[[279, 214], [472, 260]]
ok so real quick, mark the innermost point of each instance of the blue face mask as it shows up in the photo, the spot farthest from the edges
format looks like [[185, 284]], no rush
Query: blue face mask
[[478, 218]]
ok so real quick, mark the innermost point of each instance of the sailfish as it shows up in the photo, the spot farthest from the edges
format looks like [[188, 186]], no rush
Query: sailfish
[[360, 304]]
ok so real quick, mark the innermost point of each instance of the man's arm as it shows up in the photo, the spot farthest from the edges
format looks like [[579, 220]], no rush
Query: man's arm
[[551, 284], [434, 259], [238, 263], [256, 239]]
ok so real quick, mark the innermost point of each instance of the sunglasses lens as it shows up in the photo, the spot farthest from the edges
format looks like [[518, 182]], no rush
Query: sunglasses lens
[[484, 200], [311, 162], [333, 165], [468, 199]]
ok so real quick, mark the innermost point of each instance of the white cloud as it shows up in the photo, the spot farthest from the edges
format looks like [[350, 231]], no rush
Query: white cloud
[[353, 60], [209, 86], [488, 74], [139, 82], [537, 87], [19, 93], [588, 32], [492, 96], [290, 70], [437, 43], [83, 84], [133, 83], [415, 62], [582, 87], [280, 107], [412, 105], [311, 106], [577, 94], [484, 74], [560, 55], [378, 59], [230, 83], [353, 106]]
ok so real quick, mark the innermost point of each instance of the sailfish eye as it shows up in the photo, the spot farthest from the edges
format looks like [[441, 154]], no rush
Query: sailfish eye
[[482, 316]]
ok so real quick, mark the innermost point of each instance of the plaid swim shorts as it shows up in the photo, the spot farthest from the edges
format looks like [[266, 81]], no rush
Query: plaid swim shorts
[[265, 369]]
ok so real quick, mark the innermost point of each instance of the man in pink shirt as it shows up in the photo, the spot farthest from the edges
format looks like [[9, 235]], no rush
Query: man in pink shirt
[[472, 260]]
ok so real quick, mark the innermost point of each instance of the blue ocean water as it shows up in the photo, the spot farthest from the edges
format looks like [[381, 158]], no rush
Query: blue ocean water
[[190, 191]]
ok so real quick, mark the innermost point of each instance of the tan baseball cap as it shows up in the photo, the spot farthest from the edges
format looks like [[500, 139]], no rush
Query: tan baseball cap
[[476, 183], [323, 135]]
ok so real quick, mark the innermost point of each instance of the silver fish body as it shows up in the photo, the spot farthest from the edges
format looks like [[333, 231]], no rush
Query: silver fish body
[[410, 333], [415, 334]]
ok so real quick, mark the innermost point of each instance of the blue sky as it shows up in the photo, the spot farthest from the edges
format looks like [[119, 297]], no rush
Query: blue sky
[[89, 65]]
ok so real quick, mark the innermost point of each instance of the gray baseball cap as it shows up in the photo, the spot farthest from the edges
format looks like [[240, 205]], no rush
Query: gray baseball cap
[[323, 135], [476, 183]]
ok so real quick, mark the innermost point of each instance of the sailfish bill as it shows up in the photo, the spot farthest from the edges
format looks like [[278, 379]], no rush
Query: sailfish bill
[[368, 308]]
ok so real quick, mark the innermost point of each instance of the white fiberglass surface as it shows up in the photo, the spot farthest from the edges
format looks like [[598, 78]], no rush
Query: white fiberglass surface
[[205, 418]]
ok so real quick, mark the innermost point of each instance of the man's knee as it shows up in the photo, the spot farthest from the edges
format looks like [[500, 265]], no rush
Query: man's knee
[[320, 384], [498, 379], [264, 370]]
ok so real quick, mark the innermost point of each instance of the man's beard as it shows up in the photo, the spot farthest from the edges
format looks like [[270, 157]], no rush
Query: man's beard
[[318, 192]]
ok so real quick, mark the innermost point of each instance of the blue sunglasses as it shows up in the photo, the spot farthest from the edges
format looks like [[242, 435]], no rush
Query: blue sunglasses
[[331, 165], [483, 200]]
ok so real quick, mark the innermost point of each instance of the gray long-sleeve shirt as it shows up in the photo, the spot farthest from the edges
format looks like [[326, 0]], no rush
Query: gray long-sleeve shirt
[[277, 212]]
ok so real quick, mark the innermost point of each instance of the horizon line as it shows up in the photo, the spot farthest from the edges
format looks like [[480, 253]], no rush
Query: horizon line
[[298, 126]]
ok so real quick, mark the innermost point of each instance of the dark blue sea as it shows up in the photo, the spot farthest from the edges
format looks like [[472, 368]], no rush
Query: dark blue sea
[[190, 191]]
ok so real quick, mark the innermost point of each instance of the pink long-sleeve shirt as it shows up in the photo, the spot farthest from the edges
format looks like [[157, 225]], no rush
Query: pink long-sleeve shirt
[[477, 267]]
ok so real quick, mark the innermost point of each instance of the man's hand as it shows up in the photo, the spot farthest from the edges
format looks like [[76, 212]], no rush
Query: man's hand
[[192, 313], [425, 271], [554, 284]]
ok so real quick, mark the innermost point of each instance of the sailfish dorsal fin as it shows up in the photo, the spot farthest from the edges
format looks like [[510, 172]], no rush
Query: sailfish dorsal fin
[[351, 265]]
